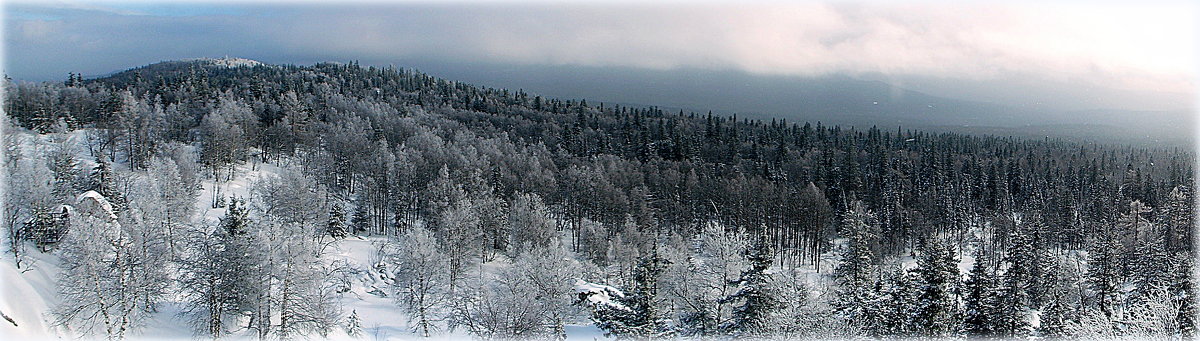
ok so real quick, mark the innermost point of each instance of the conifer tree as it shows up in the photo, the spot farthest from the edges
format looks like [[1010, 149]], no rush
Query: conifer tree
[[757, 300], [1013, 295], [353, 324], [978, 303], [937, 310], [638, 315], [855, 274], [1104, 274], [337, 222], [1055, 316]]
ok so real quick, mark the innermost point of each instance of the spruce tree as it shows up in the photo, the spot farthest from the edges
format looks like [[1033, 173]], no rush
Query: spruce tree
[[236, 220], [103, 181], [1014, 299], [937, 313], [1104, 274], [353, 324], [758, 301], [978, 307], [637, 316], [1056, 316], [1184, 292], [856, 272], [337, 222]]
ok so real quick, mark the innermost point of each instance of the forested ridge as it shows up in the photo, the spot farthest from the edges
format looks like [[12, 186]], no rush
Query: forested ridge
[[697, 224]]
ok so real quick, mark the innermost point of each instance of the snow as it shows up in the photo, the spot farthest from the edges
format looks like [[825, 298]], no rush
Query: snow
[[238, 187], [27, 296], [229, 62], [598, 294], [93, 203]]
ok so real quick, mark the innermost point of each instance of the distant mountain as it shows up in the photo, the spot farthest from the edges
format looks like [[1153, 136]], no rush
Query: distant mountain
[[836, 99], [175, 68], [228, 61]]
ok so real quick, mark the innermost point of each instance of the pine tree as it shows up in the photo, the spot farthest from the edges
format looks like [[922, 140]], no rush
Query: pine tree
[[1016, 284], [361, 221], [1179, 218], [63, 166], [890, 311], [103, 181], [1150, 270], [236, 221]]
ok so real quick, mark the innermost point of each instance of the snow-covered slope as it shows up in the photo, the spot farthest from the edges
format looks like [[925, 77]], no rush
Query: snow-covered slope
[[228, 61], [29, 294]]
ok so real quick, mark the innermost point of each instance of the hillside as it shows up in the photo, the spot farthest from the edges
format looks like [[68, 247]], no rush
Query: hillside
[[334, 200]]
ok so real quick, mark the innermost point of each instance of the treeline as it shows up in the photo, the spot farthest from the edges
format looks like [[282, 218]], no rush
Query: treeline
[[489, 171]]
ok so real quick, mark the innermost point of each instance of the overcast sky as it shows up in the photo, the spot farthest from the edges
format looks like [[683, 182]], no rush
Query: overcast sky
[[1136, 47]]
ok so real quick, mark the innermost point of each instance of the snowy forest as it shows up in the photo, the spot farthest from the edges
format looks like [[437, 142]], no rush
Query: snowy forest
[[226, 198]]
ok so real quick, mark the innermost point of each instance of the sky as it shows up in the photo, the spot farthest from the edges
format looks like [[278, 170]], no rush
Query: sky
[[1124, 55]]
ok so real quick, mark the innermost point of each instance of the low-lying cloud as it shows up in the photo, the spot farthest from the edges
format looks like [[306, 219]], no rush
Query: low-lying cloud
[[1149, 48]]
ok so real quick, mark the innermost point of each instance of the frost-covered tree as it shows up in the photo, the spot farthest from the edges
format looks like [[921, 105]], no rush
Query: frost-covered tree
[[106, 284], [226, 134], [638, 314], [756, 301], [497, 310], [421, 277], [529, 223], [460, 235], [1104, 274], [164, 201], [64, 164], [1056, 315], [151, 227], [701, 275], [142, 128], [550, 272], [1016, 288], [800, 315], [30, 207], [220, 273], [530, 299], [937, 306], [894, 301], [291, 211], [979, 304], [1179, 218], [856, 273], [336, 227], [354, 324], [1183, 291], [105, 180]]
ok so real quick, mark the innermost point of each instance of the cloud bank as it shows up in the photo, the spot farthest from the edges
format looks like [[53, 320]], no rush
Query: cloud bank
[[1143, 47]]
